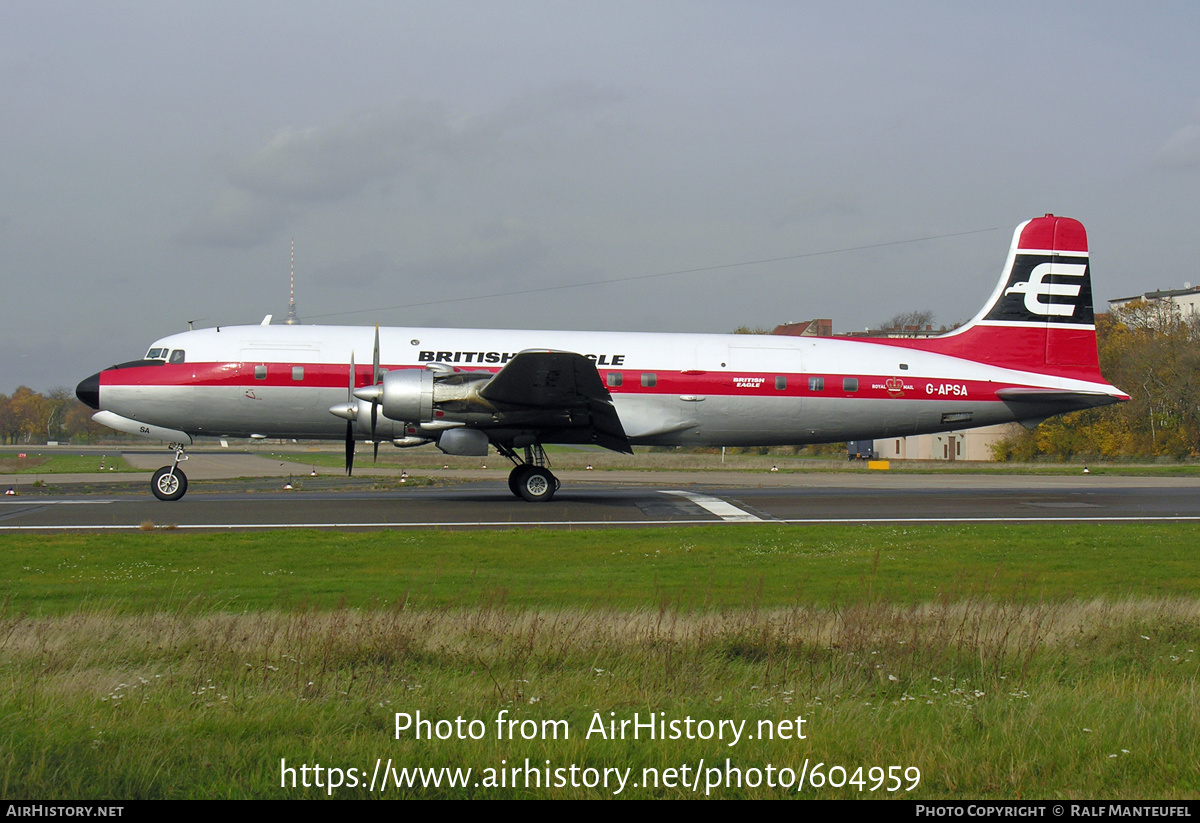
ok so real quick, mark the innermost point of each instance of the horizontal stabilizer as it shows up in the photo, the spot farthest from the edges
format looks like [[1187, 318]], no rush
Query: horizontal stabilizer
[[1073, 400], [1031, 406]]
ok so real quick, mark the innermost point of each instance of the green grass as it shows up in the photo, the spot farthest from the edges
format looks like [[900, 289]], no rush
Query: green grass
[[1004, 662], [58, 462], [707, 567]]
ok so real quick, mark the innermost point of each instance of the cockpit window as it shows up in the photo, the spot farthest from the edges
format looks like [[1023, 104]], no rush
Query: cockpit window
[[177, 356], [156, 354]]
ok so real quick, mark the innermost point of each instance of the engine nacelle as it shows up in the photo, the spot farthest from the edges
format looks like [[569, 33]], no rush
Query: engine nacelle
[[464, 442], [408, 395]]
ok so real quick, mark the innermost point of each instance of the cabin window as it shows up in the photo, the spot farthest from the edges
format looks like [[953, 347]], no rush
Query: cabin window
[[177, 356], [849, 384], [816, 384], [297, 372], [260, 372], [649, 380], [780, 382], [613, 378]]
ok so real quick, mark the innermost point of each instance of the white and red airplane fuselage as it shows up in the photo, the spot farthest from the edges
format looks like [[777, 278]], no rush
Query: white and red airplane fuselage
[[1029, 354]]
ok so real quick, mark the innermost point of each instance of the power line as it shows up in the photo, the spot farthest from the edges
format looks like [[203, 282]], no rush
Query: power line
[[633, 278]]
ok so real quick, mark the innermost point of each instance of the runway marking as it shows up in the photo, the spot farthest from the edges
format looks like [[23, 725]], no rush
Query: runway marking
[[33, 501], [721, 508]]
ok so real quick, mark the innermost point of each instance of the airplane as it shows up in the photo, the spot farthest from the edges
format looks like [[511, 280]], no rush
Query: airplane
[[1030, 353]]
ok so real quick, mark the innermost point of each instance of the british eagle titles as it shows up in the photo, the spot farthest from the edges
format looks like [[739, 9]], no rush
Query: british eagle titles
[[502, 357]]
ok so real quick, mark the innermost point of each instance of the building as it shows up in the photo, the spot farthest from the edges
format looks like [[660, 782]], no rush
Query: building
[[966, 444], [1187, 298], [822, 327]]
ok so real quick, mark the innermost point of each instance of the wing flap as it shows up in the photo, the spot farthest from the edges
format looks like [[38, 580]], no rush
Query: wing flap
[[545, 380]]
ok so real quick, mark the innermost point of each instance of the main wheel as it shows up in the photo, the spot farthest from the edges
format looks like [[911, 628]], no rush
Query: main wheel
[[168, 485], [514, 478], [537, 485]]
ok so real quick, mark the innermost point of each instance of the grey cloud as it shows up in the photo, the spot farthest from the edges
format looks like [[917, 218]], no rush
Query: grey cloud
[[495, 258], [239, 219], [338, 160], [1182, 148], [816, 206], [405, 143], [299, 167], [367, 270]]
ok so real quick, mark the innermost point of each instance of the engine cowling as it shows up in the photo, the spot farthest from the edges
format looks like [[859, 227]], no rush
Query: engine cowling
[[408, 395], [422, 396]]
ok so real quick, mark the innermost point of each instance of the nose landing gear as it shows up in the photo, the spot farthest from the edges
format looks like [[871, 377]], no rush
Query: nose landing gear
[[170, 483]]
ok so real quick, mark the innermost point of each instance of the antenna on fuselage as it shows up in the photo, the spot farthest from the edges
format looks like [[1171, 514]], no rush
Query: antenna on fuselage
[[292, 319]]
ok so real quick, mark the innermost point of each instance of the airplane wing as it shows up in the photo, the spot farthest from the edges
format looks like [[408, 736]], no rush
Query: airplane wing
[[559, 382]]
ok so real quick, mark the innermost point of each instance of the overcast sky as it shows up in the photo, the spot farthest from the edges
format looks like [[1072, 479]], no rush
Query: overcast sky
[[157, 159]]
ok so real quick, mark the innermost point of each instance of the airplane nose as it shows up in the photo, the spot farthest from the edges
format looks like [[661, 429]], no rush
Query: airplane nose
[[88, 391]]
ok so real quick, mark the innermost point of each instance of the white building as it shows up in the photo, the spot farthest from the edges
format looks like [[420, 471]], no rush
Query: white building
[[968, 444], [1187, 298]]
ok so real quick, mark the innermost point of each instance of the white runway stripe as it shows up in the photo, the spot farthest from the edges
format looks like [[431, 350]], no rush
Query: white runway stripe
[[34, 501], [717, 506]]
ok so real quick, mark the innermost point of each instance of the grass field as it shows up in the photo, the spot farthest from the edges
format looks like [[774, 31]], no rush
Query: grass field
[[56, 461], [1054, 661]]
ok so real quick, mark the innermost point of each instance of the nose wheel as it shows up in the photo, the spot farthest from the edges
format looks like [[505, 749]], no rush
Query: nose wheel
[[170, 483]]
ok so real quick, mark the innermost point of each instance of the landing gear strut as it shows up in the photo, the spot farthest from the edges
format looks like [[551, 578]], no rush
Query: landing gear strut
[[170, 483], [530, 478]]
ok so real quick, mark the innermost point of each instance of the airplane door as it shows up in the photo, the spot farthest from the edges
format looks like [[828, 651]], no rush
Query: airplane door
[[764, 389]]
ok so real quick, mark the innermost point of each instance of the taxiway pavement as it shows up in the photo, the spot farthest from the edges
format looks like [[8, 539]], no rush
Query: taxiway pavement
[[479, 498]]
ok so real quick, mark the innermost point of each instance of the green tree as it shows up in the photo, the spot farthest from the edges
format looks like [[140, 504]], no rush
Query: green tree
[[1152, 351]]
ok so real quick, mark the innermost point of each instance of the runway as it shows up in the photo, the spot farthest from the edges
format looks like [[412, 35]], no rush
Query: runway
[[629, 499]]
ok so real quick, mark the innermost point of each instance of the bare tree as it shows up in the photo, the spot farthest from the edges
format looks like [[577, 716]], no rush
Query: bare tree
[[909, 321]]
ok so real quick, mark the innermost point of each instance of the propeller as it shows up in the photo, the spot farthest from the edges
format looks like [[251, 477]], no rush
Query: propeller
[[350, 423]]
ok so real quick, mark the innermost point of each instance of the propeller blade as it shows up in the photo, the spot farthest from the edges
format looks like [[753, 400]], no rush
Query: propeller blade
[[375, 358], [350, 423], [375, 403]]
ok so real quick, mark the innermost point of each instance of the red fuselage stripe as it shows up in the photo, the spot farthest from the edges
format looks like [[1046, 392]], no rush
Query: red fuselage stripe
[[726, 384]]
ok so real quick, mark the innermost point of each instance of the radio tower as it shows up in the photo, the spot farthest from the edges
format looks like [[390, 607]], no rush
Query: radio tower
[[292, 319]]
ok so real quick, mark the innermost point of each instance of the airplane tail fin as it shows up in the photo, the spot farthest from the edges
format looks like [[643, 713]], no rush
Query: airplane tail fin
[[1040, 316]]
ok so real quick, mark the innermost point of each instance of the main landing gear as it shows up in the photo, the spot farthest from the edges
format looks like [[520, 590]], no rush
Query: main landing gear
[[170, 483], [530, 478]]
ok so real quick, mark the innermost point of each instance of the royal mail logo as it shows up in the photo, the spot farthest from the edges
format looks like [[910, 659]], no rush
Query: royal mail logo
[[895, 387]]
